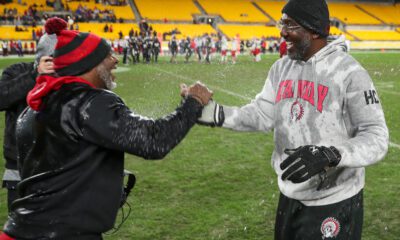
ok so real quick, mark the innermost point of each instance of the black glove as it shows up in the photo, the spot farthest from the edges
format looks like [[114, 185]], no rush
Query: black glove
[[212, 115], [307, 161]]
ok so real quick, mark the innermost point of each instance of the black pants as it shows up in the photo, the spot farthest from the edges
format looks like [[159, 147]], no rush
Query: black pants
[[125, 58], [338, 221]]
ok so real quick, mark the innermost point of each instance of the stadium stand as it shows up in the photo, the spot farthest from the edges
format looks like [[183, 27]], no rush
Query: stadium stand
[[390, 14], [40, 6], [98, 29], [234, 10], [272, 8], [376, 35], [378, 45], [336, 31], [184, 29], [248, 32], [9, 33], [348, 13], [248, 18], [167, 10], [124, 12]]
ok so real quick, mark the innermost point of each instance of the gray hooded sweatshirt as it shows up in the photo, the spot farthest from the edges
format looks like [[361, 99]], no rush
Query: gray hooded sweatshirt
[[329, 100]]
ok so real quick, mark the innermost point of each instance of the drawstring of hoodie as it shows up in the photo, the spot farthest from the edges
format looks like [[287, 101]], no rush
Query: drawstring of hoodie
[[315, 81]]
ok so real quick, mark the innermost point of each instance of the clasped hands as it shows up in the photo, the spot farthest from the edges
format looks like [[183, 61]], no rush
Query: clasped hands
[[212, 113], [198, 91]]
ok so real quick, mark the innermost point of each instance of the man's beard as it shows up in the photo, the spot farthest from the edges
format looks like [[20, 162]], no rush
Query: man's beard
[[106, 77], [300, 49]]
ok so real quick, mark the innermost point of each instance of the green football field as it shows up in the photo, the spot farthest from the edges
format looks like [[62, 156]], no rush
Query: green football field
[[219, 184]]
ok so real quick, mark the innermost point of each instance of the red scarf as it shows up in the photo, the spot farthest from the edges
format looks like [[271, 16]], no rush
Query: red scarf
[[46, 84]]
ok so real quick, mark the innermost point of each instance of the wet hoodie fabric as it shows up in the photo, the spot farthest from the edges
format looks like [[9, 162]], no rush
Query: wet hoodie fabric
[[71, 155], [329, 100]]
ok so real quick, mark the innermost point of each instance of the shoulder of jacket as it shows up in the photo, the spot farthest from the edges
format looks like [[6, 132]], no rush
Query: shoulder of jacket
[[349, 64], [18, 68], [102, 95]]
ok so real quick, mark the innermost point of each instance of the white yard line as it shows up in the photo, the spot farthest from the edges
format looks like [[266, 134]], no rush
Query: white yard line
[[121, 69], [395, 145], [386, 87], [389, 92]]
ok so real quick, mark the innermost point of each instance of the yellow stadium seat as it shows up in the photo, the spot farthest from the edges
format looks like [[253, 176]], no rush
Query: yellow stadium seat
[[337, 31], [187, 30], [234, 10], [387, 13], [248, 32], [376, 35], [98, 29], [22, 8], [124, 12], [272, 8], [350, 14], [180, 10], [8, 32]]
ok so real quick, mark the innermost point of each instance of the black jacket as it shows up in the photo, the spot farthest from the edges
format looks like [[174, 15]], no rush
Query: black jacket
[[72, 158], [15, 83]]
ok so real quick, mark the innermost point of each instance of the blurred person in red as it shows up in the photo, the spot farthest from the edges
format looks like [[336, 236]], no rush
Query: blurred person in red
[[282, 48]]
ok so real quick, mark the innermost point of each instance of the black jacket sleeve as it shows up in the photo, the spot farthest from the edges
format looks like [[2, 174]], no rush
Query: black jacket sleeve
[[15, 83], [107, 121]]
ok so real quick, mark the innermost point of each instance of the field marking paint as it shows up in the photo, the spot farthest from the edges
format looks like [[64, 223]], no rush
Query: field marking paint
[[211, 86], [121, 69], [385, 84], [386, 87], [373, 52], [389, 92], [395, 145]]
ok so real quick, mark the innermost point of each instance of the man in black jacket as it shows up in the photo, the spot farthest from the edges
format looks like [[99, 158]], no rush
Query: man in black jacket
[[72, 139], [15, 83]]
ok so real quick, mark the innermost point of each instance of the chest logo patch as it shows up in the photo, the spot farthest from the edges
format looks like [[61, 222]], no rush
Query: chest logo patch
[[330, 228], [296, 111]]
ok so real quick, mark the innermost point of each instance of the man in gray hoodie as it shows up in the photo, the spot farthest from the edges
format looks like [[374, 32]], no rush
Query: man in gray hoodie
[[328, 126]]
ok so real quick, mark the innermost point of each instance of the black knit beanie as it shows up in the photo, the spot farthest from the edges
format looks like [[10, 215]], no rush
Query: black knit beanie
[[310, 14]]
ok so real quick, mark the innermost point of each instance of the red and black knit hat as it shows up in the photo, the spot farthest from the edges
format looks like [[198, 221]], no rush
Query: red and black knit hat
[[76, 53]]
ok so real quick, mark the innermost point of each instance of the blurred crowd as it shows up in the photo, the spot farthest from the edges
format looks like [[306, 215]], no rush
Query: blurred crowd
[[34, 15]]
